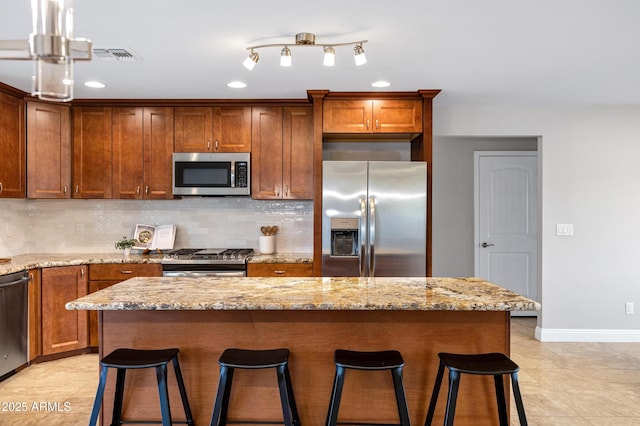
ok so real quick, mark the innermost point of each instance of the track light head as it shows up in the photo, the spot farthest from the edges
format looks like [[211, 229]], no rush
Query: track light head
[[251, 61], [329, 56], [358, 55], [285, 57]]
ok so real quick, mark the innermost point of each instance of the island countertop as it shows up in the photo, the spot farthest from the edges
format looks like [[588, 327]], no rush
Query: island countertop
[[418, 294]]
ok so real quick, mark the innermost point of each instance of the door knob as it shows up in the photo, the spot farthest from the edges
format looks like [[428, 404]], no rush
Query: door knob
[[485, 245]]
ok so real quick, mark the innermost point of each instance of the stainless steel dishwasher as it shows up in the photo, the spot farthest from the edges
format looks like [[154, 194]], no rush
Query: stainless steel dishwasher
[[13, 321]]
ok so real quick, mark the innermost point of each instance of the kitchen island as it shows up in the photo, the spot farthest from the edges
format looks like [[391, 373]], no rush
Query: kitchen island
[[311, 316]]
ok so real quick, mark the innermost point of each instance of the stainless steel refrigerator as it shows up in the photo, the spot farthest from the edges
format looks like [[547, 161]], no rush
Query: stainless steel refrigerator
[[374, 219]]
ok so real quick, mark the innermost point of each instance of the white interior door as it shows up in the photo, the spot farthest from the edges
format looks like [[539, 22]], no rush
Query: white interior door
[[506, 216]]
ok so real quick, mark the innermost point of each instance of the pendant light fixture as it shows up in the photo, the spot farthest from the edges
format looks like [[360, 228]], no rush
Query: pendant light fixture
[[52, 48], [307, 40]]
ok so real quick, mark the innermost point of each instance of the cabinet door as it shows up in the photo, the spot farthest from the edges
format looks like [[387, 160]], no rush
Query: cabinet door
[[63, 330], [158, 153], [13, 161], [92, 165], [48, 150], [128, 160], [193, 129], [266, 153], [35, 314], [397, 116], [297, 153], [232, 129], [341, 116], [280, 270]]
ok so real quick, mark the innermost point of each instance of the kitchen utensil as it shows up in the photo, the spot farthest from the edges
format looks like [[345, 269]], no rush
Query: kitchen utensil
[[274, 230], [263, 229]]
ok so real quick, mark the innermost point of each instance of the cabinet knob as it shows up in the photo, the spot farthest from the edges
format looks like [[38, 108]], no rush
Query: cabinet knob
[[146, 189]]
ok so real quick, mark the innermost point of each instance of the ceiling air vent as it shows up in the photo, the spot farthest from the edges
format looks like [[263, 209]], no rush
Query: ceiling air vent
[[122, 55]]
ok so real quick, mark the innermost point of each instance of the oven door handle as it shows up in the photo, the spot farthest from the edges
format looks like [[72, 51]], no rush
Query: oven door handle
[[204, 274]]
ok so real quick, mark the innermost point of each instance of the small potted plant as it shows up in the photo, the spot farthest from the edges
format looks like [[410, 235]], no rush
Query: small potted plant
[[125, 244]]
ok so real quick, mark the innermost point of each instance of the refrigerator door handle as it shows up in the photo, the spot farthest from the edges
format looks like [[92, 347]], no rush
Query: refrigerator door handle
[[372, 236], [362, 236]]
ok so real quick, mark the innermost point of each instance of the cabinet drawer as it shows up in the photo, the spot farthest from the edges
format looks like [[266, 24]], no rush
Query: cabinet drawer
[[280, 269], [123, 271]]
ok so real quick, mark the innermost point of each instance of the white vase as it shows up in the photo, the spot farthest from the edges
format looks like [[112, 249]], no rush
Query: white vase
[[127, 251]]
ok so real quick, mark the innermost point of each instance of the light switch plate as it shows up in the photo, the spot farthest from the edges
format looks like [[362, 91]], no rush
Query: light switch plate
[[564, 229]]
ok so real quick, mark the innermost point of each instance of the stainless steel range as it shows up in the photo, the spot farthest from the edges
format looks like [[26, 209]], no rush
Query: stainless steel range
[[206, 262]]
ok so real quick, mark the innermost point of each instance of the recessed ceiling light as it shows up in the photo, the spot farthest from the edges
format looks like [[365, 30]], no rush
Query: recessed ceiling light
[[237, 85], [381, 84], [95, 84]]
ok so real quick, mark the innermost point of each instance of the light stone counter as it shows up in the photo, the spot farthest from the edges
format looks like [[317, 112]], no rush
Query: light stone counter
[[47, 260], [281, 258], [413, 294]]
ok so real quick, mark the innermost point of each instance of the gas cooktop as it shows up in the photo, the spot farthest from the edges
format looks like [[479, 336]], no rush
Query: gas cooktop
[[208, 255]]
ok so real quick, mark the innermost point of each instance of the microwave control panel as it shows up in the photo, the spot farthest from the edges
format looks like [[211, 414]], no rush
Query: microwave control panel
[[242, 175]]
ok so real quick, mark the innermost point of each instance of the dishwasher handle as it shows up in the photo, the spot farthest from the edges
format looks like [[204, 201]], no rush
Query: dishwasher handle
[[23, 279]]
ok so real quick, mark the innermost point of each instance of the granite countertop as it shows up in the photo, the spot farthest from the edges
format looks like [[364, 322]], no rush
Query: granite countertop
[[427, 294], [24, 262]]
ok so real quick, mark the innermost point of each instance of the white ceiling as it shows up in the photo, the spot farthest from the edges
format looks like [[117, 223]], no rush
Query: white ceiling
[[476, 51]]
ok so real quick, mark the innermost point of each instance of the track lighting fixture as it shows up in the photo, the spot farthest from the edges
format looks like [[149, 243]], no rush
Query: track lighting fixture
[[307, 40], [52, 48]]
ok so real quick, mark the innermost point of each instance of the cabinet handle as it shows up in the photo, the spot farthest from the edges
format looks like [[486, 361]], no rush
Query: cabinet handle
[[208, 145], [138, 190], [31, 277], [82, 272], [216, 145], [77, 189], [64, 189], [377, 128], [277, 190], [279, 272], [0, 187], [286, 191], [126, 272], [146, 189], [367, 124]]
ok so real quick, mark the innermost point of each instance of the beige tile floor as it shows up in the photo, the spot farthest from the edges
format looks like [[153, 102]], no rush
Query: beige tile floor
[[563, 384]]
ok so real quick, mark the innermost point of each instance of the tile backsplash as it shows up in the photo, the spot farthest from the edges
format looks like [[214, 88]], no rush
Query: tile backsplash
[[69, 226]]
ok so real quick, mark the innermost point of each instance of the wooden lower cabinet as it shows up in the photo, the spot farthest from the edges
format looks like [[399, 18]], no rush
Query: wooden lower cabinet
[[280, 270], [35, 314], [63, 330], [102, 276]]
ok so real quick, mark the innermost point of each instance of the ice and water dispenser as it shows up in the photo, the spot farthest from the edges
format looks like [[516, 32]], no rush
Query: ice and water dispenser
[[344, 236]]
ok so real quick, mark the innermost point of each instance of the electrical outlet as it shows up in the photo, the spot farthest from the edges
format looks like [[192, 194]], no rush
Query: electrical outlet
[[564, 229], [628, 308]]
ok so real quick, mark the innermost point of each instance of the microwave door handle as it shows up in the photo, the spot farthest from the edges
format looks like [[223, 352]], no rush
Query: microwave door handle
[[362, 237], [233, 174]]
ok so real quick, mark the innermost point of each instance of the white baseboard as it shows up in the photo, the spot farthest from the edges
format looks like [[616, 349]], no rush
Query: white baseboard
[[586, 335]]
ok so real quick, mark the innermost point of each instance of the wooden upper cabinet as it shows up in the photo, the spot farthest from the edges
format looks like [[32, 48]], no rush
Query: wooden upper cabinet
[[158, 152], [142, 152], [217, 129], [297, 153], [12, 147], [282, 153], [48, 150], [193, 129], [266, 154], [372, 116], [232, 129], [92, 158]]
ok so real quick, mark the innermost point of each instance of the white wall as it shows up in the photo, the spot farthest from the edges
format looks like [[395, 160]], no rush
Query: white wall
[[590, 177], [76, 226]]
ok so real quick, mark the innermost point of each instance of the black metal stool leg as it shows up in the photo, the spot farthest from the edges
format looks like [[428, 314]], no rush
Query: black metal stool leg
[[401, 398], [183, 391], [336, 394], [434, 395], [292, 399], [99, 394], [163, 391], [501, 400], [452, 398], [222, 397], [117, 402], [518, 399], [284, 396]]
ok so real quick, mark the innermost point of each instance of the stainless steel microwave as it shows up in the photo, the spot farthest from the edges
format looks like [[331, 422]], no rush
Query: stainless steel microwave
[[220, 173]]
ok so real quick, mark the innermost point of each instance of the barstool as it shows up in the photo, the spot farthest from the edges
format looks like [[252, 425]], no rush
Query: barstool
[[375, 361], [124, 359], [491, 364], [254, 359]]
